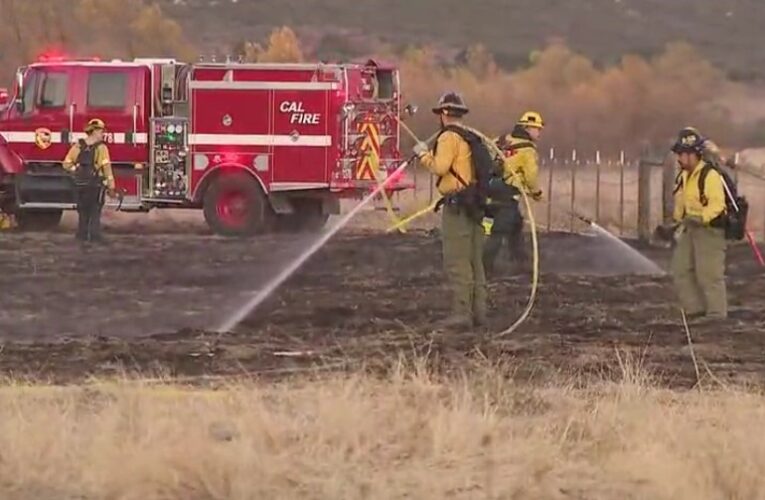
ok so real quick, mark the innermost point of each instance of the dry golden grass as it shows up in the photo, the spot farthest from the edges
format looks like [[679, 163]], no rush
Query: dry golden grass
[[410, 435]]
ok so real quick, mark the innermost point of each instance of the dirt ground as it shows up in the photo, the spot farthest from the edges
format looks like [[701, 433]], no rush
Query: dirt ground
[[149, 301]]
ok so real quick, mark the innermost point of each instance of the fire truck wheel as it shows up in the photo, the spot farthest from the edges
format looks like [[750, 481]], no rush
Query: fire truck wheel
[[38, 220], [234, 205]]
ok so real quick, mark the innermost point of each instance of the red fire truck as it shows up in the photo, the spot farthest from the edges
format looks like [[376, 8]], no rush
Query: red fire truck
[[255, 146]]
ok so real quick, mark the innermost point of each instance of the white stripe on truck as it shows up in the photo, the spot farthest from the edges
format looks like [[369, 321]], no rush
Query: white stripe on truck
[[22, 136], [55, 137], [194, 139], [259, 140], [224, 85]]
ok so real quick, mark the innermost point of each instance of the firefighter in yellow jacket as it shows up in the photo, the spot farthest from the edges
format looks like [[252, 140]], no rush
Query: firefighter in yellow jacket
[[88, 161], [698, 262], [521, 168], [711, 153], [462, 234]]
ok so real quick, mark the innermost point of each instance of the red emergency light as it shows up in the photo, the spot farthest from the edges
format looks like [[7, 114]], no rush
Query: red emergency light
[[231, 157], [56, 55]]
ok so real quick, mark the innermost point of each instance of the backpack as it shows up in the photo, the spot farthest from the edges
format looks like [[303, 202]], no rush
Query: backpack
[[500, 189], [474, 197], [510, 149], [86, 174], [736, 207]]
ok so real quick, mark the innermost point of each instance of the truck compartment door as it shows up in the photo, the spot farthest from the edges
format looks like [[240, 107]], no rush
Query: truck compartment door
[[301, 137]]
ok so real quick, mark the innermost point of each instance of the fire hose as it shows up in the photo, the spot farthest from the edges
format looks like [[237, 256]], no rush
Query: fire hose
[[398, 224], [384, 193], [534, 237], [120, 194], [534, 270]]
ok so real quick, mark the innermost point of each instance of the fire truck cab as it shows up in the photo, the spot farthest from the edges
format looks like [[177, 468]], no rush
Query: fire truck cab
[[255, 146]]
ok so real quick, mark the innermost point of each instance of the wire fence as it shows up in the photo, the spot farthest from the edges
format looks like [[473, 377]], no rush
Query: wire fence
[[628, 197]]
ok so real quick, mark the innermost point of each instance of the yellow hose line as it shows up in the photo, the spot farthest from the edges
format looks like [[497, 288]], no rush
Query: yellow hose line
[[388, 205], [534, 241], [400, 224], [534, 271], [406, 220]]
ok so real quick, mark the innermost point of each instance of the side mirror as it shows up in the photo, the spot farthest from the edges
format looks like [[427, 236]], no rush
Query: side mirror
[[19, 102], [410, 109]]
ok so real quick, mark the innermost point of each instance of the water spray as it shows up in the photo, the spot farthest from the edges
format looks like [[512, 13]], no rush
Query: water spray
[[266, 291], [263, 294], [648, 263]]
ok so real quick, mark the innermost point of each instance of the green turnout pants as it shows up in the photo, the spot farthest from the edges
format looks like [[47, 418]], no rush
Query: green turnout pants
[[462, 239], [698, 270]]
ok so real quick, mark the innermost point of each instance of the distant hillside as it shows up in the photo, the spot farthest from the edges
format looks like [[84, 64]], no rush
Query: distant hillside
[[728, 32]]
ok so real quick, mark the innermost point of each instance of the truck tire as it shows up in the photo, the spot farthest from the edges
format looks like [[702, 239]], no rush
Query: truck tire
[[38, 220], [234, 205]]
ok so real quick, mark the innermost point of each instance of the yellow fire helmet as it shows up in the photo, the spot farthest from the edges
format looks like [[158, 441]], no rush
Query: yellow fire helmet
[[531, 119], [95, 124]]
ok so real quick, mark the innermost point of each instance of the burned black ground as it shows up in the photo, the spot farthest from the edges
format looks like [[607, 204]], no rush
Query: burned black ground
[[148, 304]]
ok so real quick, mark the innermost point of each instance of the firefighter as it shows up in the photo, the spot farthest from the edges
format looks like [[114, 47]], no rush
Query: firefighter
[[698, 262], [462, 234], [521, 169], [711, 152], [88, 161]]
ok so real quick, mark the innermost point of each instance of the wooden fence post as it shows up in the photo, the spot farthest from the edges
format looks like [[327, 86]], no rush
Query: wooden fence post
[[550, 187], [644, 199], [645, 170], [573, 195], [550, 195], [597, 187], [621, 198]]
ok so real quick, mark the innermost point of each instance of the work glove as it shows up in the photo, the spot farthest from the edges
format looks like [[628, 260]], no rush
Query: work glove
[[420, 149], [111, 193], [693, 221]]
